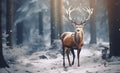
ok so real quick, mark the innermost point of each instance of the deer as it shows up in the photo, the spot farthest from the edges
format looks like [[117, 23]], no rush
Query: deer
[[74, 40]]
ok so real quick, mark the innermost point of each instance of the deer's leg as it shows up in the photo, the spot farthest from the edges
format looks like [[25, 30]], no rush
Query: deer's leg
[[67, 52], [63, 55], [78, 52], [72, 50]]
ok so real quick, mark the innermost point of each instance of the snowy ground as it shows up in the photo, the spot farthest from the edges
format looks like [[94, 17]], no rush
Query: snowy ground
[[50, 61]]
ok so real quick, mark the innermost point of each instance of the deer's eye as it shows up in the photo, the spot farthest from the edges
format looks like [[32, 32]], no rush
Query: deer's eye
[[77, 27]]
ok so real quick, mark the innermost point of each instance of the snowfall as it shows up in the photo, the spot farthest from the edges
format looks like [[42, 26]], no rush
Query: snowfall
[[51, 61]]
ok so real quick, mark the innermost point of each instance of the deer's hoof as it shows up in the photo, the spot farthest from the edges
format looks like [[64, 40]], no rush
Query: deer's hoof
[[72, 63], [78, 65], [63, 64]]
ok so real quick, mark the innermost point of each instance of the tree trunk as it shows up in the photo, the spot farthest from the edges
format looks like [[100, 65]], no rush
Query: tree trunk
[[114, 26], [9, 23], [60, 17], [53, 21], [19, 33], [3, 64], [92, 24], [41, 23]]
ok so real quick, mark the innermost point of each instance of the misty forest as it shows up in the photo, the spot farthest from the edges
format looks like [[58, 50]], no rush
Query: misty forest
[[59, 36]]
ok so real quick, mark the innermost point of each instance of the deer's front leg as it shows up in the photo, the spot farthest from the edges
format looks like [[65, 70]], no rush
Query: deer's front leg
[[78, 52], [67, 52], [72, 51]]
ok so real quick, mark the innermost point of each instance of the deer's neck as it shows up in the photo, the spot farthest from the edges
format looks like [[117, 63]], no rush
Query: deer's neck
[[77, 38]]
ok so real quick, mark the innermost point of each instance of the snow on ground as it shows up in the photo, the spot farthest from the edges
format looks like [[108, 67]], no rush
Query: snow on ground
[[50, 61]]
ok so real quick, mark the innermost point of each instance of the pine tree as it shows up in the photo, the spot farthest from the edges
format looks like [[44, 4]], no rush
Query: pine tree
[[9, 23], [19, 28], [60, 17], [92, 24], [114, 26], [53, 21], [41, 23], [3, 63]]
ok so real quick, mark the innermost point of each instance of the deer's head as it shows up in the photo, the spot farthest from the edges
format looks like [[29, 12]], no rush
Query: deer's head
[[79, 26]]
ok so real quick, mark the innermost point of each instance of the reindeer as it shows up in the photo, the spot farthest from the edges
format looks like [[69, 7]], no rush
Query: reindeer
[[74, 40]]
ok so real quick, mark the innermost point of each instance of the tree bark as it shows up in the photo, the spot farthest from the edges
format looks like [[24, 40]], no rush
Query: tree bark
[[60, 17], [53, 21], [19, 33], [41, 23], [92, 24], [9, 23], [114, 26], [3, 63]]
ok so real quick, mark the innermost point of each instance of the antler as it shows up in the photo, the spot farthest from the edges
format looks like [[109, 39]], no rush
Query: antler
[[87, 9], [69, 16], [90, 11]]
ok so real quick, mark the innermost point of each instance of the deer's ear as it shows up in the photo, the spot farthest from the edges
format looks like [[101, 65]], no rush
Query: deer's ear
[[74, 25], [84, 23]]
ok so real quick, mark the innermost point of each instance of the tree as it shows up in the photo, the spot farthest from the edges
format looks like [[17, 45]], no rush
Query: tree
[[114, 26], [19, 33], [41, 23], [53, 21], [9, 23], [60, 16], [92, 24], [3, 63]]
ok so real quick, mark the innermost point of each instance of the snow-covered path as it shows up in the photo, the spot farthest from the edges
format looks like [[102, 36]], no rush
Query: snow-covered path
[[90, 61]]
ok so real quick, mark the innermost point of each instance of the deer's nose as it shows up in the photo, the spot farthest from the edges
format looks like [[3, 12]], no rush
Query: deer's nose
[[78, 30]]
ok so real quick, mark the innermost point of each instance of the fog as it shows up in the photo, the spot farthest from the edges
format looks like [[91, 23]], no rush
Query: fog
[[36, 54], [27, 12]]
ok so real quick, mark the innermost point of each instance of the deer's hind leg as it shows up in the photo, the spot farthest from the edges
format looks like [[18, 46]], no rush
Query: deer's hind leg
[[63, 55]]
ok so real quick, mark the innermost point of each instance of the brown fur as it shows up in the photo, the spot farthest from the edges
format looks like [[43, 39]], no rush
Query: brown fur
[[70, 42], [74, 40]]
